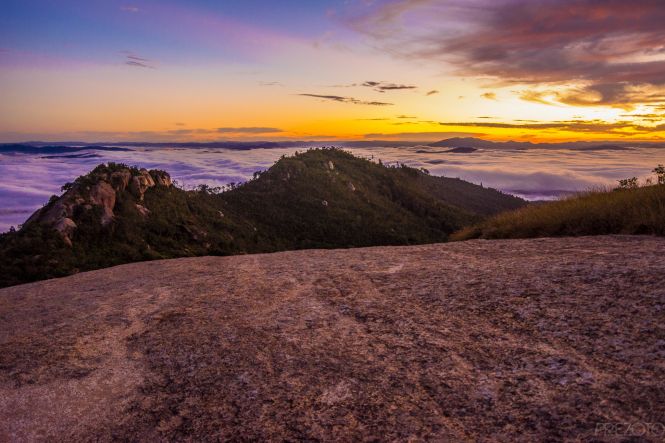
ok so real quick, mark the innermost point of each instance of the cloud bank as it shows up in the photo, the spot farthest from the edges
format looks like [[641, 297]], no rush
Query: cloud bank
[[529, 172], [578, 52]]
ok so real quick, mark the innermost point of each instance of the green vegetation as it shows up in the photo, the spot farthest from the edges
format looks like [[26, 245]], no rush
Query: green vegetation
[[323, 198], [301, 202], [629, 209]]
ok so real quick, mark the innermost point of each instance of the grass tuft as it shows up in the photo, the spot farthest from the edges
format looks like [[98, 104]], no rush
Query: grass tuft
[[620, 211]]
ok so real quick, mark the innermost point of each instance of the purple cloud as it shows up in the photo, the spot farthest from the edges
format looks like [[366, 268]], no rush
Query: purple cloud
[[609, 52]]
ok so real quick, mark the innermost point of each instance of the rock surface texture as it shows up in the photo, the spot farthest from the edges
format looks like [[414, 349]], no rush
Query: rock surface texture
[[520, 340]]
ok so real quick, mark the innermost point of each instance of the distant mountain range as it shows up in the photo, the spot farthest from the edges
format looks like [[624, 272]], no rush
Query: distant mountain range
[[38, 147], [16, 148], [323, 198], [580, 145]]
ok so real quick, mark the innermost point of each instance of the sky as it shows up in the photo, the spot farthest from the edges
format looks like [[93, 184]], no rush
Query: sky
[[204, 70]]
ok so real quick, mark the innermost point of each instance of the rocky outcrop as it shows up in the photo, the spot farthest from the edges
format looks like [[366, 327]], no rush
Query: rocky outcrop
[[99, 189], [506, 341], [161, 177], [103, 195], [65, 226], [120, 179], [141, 183]]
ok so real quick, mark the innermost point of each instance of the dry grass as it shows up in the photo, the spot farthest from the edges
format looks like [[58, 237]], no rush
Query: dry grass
[[629, 211]]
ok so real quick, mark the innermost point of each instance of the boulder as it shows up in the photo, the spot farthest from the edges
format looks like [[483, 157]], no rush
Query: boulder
[[120, 179], [141, 183], [161, 178], [62, 208], [102, 194], [66, 228]]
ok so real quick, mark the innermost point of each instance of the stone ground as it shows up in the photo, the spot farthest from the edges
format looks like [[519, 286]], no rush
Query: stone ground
[[517, 340]]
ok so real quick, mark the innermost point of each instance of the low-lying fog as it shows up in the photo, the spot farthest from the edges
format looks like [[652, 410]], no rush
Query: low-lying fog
[[28, 180]]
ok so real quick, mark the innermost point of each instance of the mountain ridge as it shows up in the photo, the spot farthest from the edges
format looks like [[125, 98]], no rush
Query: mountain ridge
[[322, 198]]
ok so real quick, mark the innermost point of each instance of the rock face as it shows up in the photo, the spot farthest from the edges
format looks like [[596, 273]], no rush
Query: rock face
[[65, 226], [520, 340], [100, 190], [102, 194], [141, 183], [161, 178], [120, 179]]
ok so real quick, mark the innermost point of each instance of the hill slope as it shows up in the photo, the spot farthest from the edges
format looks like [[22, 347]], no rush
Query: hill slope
[[324, 198], [623, 211], [516, 340]]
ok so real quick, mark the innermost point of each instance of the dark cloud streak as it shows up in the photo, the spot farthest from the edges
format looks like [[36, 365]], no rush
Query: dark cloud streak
[[249, 130], [581, 126], [132, 59], [340, 99], [383, 86], [138, 64]]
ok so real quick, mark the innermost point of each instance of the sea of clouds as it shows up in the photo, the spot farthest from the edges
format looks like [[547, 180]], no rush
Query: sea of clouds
[[28, 180]]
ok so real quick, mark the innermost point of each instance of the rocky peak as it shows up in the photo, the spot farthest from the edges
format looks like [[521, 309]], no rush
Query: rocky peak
[[100, 189]]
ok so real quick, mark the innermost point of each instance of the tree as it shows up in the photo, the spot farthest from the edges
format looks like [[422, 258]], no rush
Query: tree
[[660, 174], [205, 189]]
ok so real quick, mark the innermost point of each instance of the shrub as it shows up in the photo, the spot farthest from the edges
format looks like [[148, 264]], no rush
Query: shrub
[[628, 183]]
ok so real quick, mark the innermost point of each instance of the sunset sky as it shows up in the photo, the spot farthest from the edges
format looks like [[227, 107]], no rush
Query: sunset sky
[[139, 70]]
